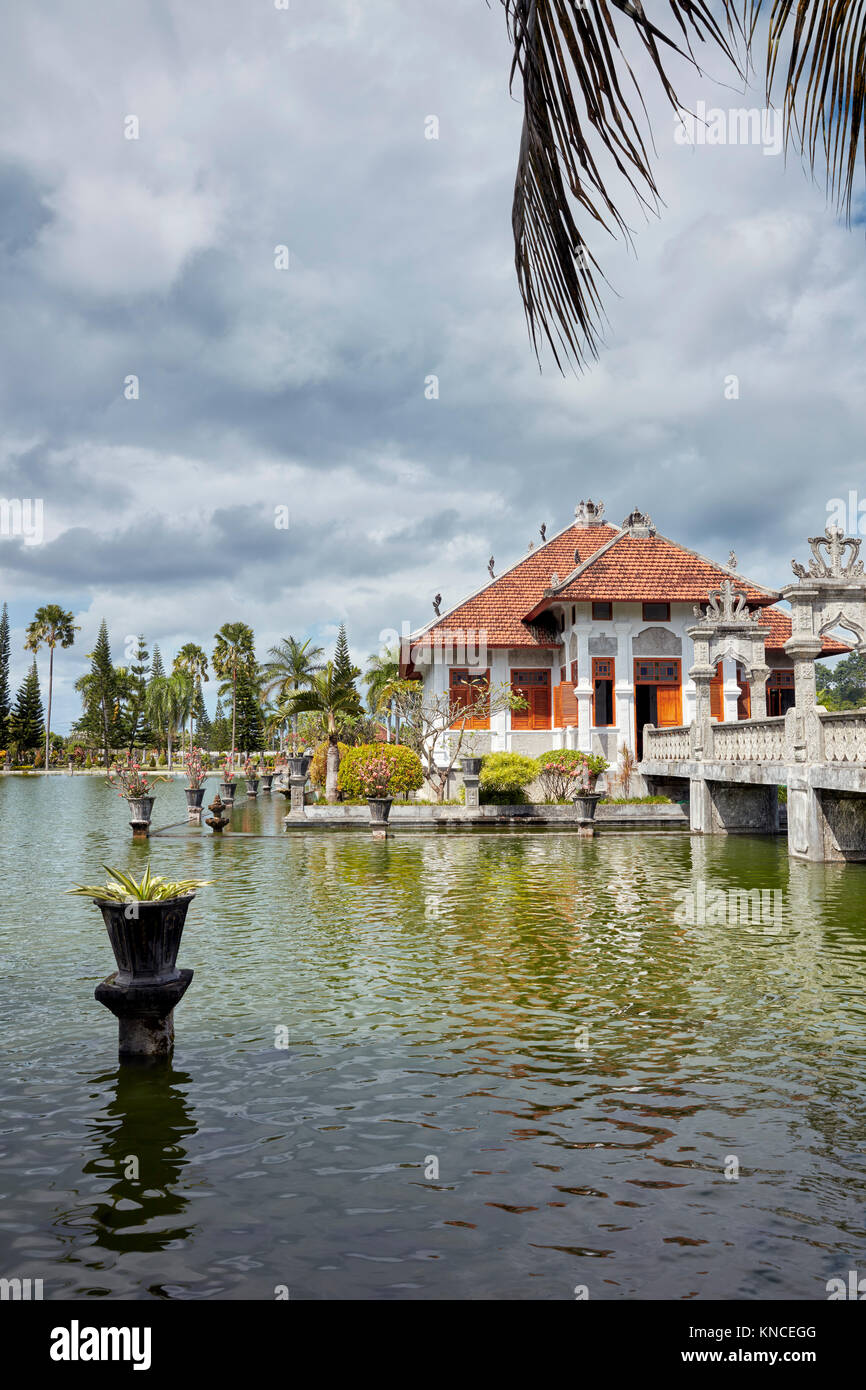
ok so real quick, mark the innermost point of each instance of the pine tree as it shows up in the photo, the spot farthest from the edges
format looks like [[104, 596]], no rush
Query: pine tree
[[221, 729], [156, 667], [203, 726], [344, 671], [250, 728], [100, 690], [137, 730], [27, 720], [5, 694]]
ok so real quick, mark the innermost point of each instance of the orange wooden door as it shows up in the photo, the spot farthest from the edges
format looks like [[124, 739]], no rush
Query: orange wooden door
[[668, 705], [717, 697]]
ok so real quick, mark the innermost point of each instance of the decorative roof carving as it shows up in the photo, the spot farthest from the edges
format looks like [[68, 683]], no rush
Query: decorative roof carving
[[832, 566], [589, 513], [639, 523], [727, 604]]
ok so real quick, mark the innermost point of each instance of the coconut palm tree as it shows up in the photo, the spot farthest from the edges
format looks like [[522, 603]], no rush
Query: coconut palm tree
[[234, 650], [581, 100], [381, 678], [329, 696], [193, 659], [291, 667], [51, 625], [167, 703]]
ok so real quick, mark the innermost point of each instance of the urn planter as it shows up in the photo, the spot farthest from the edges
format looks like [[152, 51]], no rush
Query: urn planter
[[227, 791], [140, 811], [471, 765], [145, 938], [380, 809], [252, 786], [300, 766], [194, 797], [585, 804], [266, 779]]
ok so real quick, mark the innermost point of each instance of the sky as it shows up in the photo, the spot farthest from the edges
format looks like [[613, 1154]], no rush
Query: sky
[[265, 393]]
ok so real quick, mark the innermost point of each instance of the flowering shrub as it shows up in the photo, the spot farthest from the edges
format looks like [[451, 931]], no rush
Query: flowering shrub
[[129, 779], [567, 772], [375, 776], [250, 768], [228, 768], [406, 775], [195, 768]]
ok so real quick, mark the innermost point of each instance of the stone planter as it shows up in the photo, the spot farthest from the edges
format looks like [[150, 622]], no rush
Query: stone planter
[[194, 797], [140, 809], [300, 766], [380, 809], [227, 792], [266, 779], [585, 804], [252, 786], [145, 938], [471, 765]]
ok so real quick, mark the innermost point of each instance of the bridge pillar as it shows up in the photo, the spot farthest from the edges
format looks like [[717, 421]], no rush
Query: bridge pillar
[[726, 808], [806, 824], [700, 807]]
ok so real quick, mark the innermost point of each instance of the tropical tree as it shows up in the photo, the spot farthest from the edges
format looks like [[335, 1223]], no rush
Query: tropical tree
[[329, 696], [51, 626], [193, 659], [168, 702], [234, 651], [136, 690], [5, 694], [98, 688], [26, 722], [586, 136], [381, 679], [291, 667]]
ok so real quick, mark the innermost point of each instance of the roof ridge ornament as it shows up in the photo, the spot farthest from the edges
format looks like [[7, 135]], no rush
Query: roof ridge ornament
[[835, 542], [639, 523], [589, 513], [727, 604]]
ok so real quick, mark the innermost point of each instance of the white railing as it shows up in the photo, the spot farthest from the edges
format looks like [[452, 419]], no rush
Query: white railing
[[671, 744], [748, 741], [844, 738]]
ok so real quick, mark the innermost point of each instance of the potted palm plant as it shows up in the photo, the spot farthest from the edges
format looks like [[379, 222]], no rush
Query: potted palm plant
[[144, 921], [196, 774], [228, 785], [252, 778], [584, 797], [375, 777]]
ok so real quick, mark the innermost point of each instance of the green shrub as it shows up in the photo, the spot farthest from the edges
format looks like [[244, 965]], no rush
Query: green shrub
[[505, 777], [407, 774], [318, 767], [162, 762]]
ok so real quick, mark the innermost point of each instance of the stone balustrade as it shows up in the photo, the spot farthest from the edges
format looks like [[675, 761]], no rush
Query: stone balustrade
[[844, 736], [748, 740], [670, 743]]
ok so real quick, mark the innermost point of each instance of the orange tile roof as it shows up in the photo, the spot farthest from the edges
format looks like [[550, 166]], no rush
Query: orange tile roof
[[652, 569], [498, 609], [779, 623]]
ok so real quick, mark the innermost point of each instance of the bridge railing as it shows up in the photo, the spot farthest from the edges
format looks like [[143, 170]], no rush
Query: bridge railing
[[748, 740], [843, 736], [668, 745]]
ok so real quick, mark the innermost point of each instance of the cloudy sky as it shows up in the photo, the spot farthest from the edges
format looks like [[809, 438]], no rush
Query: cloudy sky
[[304, 388]]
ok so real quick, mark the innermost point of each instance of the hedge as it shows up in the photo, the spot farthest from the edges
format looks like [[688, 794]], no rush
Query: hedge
[[407, 774], [505, 777]]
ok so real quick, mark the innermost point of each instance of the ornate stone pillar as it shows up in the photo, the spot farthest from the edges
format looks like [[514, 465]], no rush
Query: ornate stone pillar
[[583, 691], [758, 678]]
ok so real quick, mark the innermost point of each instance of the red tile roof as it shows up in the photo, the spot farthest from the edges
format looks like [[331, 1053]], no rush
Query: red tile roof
[[652, 569], [779, 623], [498, 609]]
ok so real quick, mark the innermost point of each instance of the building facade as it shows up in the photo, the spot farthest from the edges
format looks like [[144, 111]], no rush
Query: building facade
[[590, 627]]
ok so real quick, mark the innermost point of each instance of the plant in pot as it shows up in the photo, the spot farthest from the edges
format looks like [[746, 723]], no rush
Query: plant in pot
[[136, 786], [228, 785], [195, 772], [375, 776], [266, 773], [470, 758], [144, 921], [252, 777], [299, 757], [584, 796]]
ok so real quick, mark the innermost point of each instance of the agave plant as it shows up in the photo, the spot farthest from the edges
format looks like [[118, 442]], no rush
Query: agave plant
[[151, 888]]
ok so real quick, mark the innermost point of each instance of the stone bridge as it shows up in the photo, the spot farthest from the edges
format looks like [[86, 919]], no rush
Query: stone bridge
[[734, 770]]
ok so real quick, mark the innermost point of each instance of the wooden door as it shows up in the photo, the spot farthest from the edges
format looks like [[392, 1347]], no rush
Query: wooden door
[[717, 695], [668, 705]]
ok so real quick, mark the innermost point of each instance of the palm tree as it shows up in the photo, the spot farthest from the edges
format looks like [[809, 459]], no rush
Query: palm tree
[[233, 650], [167, 702], [290, 669], [380, 678], [51, 624], [193, 659], [330, 697], [579, 90]]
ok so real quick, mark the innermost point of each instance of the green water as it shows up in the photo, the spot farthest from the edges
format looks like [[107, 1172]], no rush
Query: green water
[[524, 1011]]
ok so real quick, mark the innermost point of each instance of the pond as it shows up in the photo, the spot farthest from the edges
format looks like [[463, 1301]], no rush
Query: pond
[[505, 1065]]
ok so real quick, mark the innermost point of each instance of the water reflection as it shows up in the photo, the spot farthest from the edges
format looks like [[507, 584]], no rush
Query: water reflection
[[138, 1146]]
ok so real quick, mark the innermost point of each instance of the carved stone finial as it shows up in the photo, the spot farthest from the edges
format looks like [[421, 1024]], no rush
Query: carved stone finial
[[639, 523], [543, 530], [832, 565], [554, 580], [727, 604], [732, 560], [436, 602], [531, 545], [589, 513], [490, 568]]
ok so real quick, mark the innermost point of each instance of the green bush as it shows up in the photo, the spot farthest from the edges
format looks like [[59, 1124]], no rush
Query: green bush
[[505, 777], [407, 775]]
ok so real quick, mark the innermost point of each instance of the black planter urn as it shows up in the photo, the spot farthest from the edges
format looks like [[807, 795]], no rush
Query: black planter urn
[[300, 766], [227, 791], [380, 809], [584, 806], [194, 797], [142, 994], [471, 765], [266, 779], [252, 786]]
